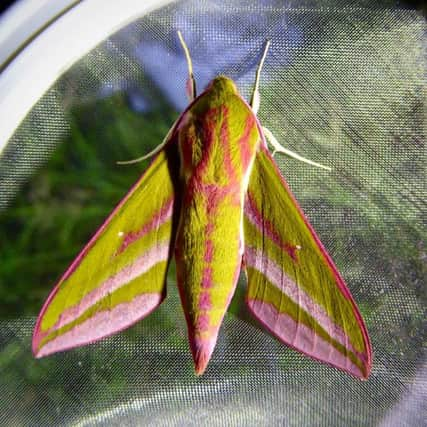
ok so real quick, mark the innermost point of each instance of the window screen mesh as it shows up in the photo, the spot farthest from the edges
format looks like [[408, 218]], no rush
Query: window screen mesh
[[343, 85]]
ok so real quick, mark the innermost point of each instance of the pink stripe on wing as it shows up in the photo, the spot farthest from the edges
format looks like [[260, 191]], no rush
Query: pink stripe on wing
[[266, 227], [158, 219], [277, 277], [153, 256], [301, 337], [103, 323]]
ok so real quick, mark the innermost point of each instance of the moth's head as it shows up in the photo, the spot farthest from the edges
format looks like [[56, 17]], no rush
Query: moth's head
[[223, 85]]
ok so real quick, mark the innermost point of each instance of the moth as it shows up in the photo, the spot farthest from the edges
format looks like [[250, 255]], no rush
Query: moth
[[214, 198]]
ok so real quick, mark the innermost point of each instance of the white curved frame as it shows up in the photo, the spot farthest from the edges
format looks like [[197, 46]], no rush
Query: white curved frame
[[30, 74], [24, 19]]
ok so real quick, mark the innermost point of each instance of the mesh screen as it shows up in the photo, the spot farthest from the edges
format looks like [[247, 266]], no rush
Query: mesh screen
[[343, 85]]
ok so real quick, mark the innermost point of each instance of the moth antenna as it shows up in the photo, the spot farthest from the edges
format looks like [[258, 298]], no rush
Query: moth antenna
[[255, 99], [278, 148], [191, 83]]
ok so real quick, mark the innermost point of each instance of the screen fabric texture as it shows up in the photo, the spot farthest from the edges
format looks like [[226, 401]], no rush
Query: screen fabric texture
[[343, 85]]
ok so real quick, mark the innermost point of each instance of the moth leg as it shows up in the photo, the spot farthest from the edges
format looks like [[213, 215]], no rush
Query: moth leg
[[152, 152], [191, 82], [255, 98], [278, 148]]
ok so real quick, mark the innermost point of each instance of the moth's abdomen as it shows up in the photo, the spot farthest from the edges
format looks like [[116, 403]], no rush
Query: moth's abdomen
[[208, 258]]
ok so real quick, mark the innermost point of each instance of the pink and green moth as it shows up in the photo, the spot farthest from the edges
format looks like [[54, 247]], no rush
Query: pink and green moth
[[214, 198]]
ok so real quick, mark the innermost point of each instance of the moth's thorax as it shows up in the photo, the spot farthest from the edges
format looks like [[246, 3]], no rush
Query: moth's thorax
[[218, 136]]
